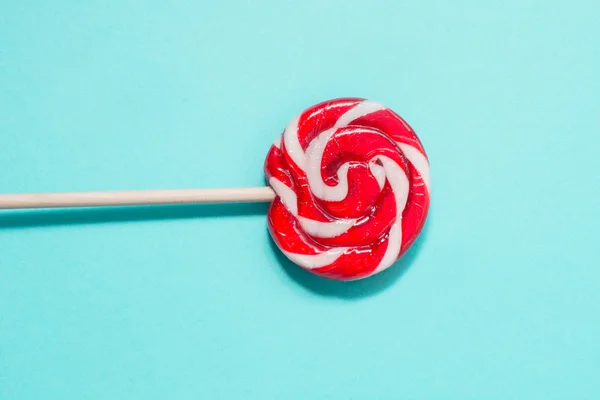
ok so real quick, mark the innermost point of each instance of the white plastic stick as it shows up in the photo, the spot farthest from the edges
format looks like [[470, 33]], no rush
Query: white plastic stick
[[140, 197]]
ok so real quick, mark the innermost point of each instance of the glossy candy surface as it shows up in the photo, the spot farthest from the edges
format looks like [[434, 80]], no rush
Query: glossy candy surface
[[352, 185]]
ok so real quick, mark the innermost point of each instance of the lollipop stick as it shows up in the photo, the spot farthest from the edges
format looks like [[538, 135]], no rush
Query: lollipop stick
[[140, 197]]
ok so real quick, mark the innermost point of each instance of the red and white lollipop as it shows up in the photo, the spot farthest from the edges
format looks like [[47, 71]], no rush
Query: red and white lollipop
[[350, 190], [352, 185]]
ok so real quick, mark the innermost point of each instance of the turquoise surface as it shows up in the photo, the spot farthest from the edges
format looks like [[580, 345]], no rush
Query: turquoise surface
[[499, 299]]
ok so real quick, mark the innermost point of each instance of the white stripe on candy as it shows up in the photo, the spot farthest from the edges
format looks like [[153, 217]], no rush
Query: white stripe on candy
[[309, 261], [400, 187], [314, 157], [290, 135], [363, 108], [286, 194], [292, 144], [418, 160], [312, 227]]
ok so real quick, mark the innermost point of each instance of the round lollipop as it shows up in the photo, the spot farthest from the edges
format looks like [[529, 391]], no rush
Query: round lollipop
[[349, 185]]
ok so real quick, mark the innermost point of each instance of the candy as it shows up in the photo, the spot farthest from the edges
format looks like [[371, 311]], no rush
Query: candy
[[351, 179]]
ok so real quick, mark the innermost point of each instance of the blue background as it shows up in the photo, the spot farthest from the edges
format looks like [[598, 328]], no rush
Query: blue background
[[499, 299]]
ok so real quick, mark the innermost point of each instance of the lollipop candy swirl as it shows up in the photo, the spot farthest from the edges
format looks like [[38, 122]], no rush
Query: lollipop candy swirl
[[352, 185]]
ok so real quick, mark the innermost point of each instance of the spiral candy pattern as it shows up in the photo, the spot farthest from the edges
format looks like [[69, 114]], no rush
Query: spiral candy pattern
[[352, 185]]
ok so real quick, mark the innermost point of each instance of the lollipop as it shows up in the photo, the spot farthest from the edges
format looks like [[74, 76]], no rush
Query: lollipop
[[349, 185], [352, 185]]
